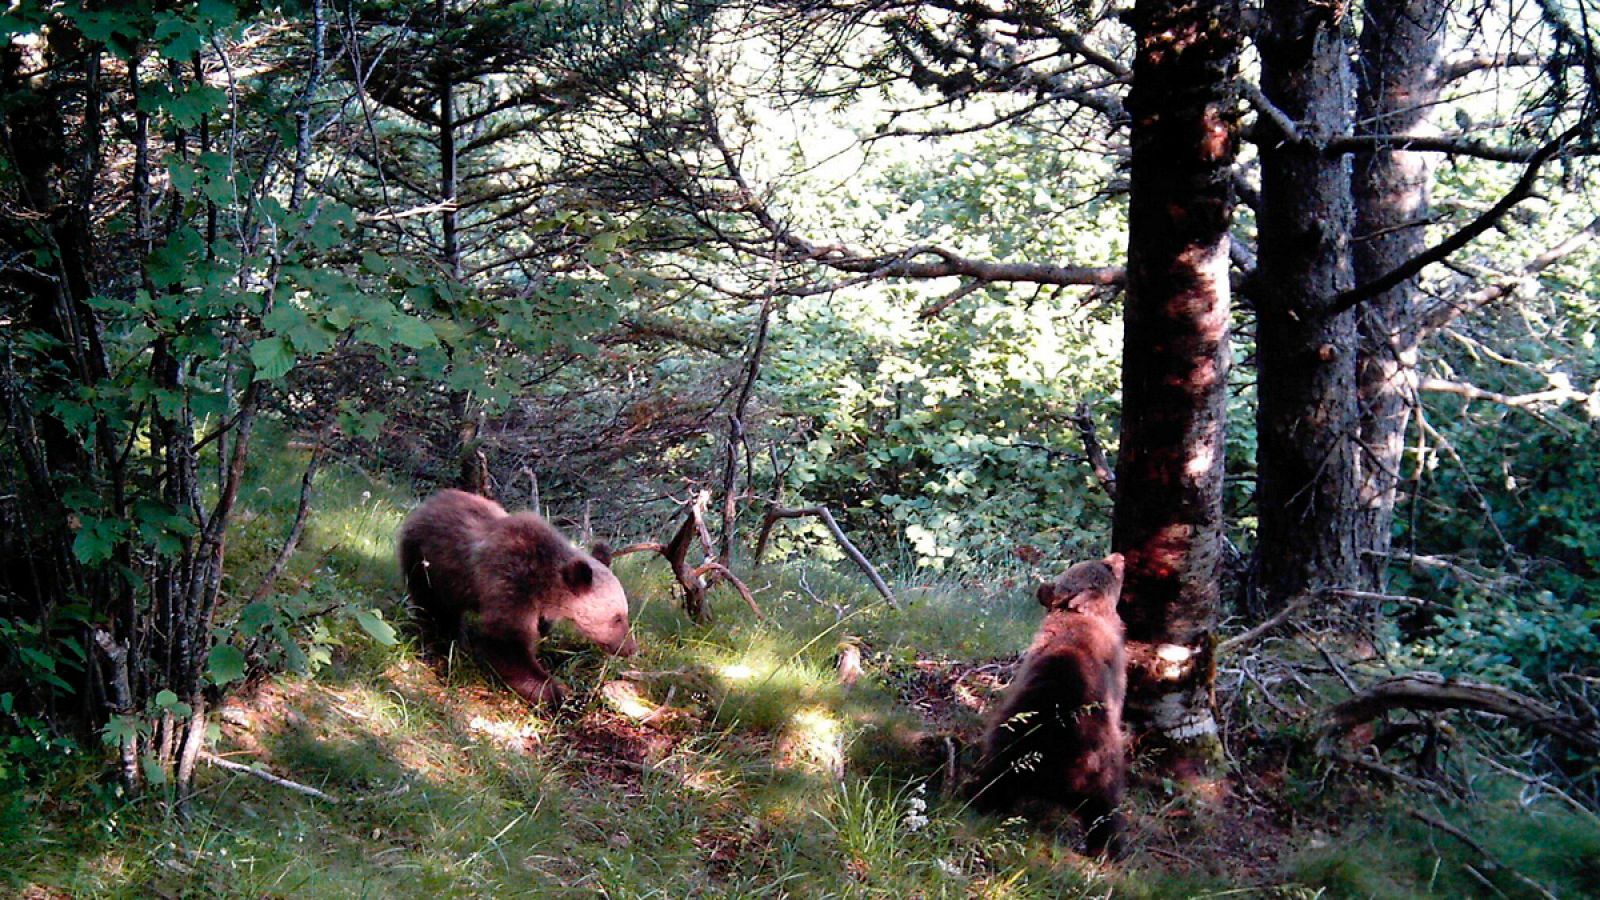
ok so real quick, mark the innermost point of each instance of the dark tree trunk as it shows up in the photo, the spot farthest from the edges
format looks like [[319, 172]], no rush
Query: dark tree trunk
[[1168, 519], [1401, 46], [1307, 413]]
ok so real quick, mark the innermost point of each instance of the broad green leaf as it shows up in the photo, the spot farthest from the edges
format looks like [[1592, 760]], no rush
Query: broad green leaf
[[372, 622], [273, 358], [225, 663]]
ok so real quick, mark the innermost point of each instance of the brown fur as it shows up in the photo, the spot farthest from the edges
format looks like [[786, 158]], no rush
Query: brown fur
[[497, 582], [1056, 734]]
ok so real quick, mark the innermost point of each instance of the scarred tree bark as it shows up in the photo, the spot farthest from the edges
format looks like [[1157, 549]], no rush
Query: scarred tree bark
[[1307, 411], [1401, 54], [1168, 518]]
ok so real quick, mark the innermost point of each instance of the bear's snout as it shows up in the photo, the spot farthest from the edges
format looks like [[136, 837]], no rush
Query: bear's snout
[[628, 647]]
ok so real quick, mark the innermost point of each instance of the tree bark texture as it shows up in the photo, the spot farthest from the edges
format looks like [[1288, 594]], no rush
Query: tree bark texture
[[1168, 517], [1398, 68], [1307, 401]]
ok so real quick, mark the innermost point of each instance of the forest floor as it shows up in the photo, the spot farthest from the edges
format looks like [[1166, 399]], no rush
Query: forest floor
[[723, 760]]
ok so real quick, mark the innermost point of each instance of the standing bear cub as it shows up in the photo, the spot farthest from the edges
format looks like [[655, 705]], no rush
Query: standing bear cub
[[498, 582], [1056, 734]]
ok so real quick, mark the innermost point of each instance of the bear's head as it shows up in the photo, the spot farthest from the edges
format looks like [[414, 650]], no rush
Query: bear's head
[[526, 569], [591, 598], [1092, 588]]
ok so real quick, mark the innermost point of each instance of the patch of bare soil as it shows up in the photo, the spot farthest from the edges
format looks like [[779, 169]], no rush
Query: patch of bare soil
[[952, 695]]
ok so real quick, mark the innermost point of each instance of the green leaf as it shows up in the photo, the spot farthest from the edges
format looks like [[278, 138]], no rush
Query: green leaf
[[225, 663], [372, 622], [119, 731], [413, 332], [97, 540], [273, 358], [153, 772]]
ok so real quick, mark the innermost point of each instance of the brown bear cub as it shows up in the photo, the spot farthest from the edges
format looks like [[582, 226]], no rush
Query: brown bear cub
[[1056, 733], [497, 582]]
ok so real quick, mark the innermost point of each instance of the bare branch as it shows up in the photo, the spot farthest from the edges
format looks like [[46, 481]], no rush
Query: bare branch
[[268, 777], [1558, 393], [776, 512], [1414, 266], [1459, 67], [1448, 311], [1408, 143], [907, 263]]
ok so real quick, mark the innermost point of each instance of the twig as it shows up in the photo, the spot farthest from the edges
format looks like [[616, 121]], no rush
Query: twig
[[268, 777]]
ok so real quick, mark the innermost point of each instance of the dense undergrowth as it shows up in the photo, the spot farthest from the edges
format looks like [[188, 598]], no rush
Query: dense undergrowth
[[724, 760]]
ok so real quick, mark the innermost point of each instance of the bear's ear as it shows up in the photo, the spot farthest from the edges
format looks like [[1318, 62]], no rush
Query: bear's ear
[[601, 551], [577, 574], [1047, 595]]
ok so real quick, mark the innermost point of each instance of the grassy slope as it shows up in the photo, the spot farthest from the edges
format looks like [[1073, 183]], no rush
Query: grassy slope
[[702, 770]]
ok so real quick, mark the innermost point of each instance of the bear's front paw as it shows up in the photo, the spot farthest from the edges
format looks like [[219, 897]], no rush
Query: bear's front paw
[[551, 695]]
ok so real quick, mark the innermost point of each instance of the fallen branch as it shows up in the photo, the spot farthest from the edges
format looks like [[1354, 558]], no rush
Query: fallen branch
[[776, 512], [1429, 691], [1245, 639], [268, 777]]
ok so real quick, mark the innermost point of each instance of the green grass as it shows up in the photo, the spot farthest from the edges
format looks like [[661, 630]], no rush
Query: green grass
[[449, 786]]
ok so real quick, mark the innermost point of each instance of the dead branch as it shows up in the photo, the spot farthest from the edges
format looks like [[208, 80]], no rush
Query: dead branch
[[1093, 450], [1245, 639], [730, 478], [1559, 392], [1449, 309], [721, 571], [1429, 691], [918, 262], [776, 512], [1519, 192], [268, 777], [301, 514], [692, 580]]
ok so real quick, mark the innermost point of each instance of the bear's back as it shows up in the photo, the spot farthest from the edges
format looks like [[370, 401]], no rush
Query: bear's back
[[522, 549], [435, 549]]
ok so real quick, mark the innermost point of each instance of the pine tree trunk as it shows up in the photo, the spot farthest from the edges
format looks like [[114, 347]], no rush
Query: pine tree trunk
[[1168, 519], [1401, 43], [1307, 391]]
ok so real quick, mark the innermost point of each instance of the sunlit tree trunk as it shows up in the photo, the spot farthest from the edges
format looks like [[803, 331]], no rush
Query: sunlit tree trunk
[[1307, 412], [1401, 46], [1168, 519]]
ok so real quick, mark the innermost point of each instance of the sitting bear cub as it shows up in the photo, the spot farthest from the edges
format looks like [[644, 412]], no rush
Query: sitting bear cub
[[498, 581], [1056, 733]]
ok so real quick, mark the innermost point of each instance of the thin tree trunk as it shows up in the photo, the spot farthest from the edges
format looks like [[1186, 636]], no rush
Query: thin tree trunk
[[1401, 53], [1168, 518], [736, 436], [1307, 411]]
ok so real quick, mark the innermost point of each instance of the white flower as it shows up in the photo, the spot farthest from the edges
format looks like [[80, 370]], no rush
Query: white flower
[[949, 868]]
